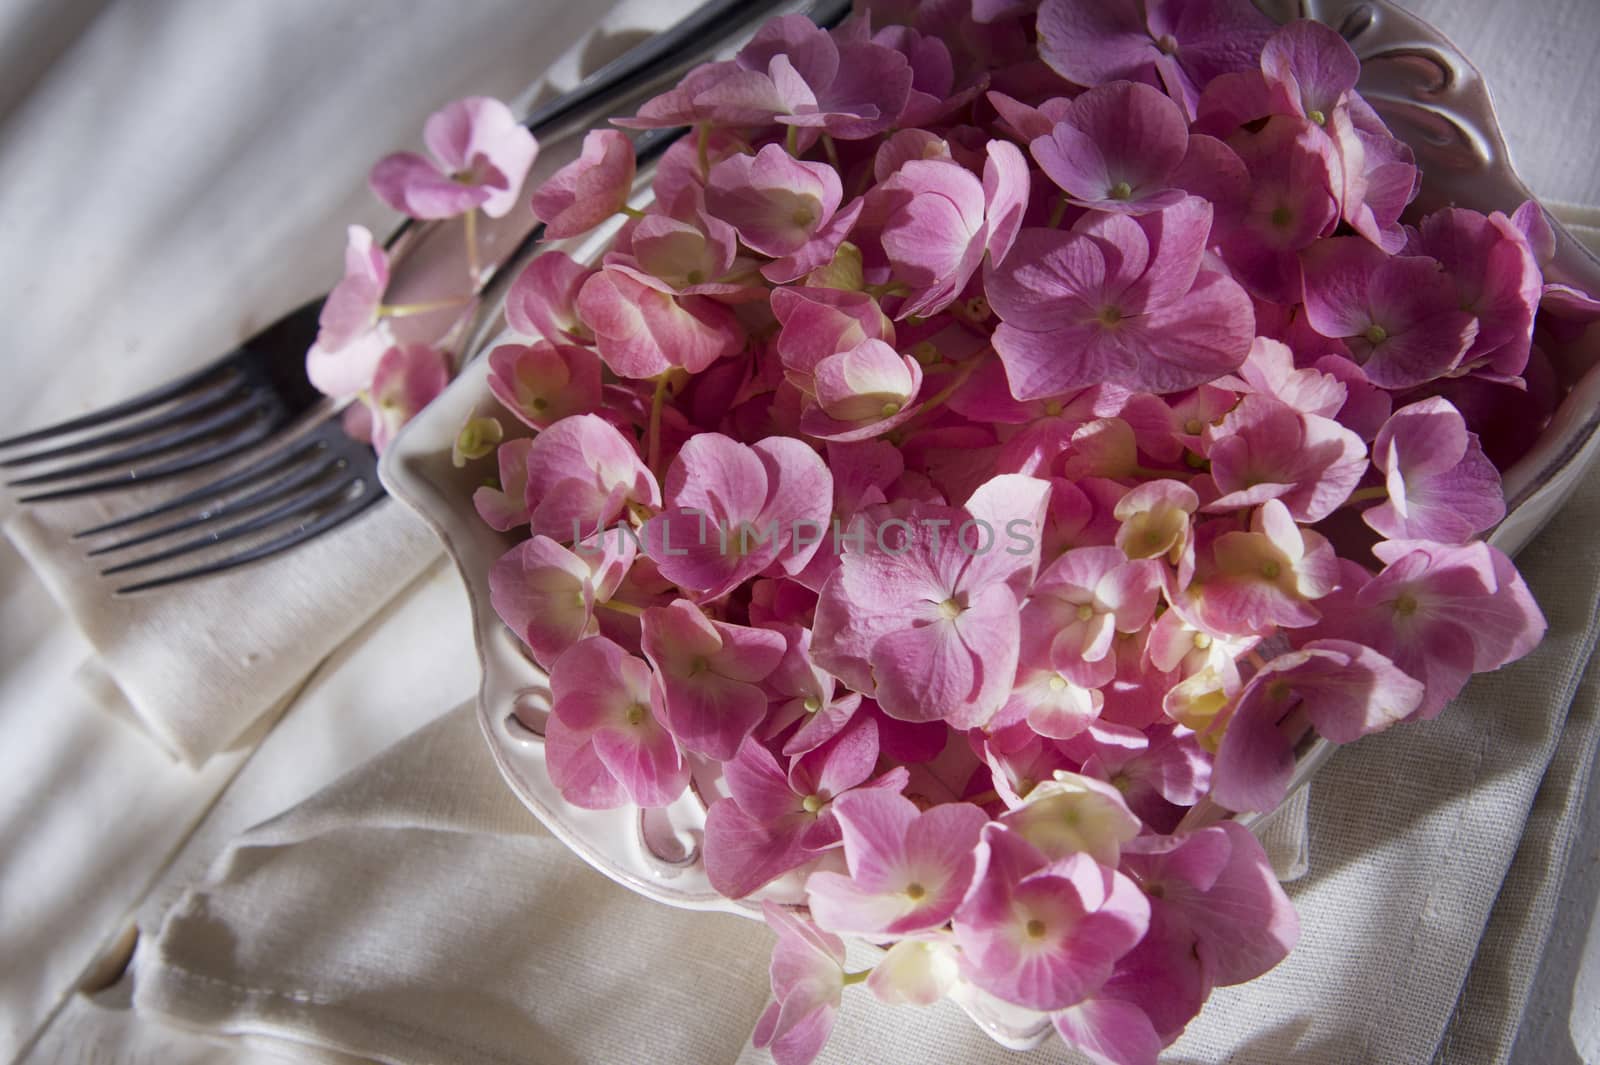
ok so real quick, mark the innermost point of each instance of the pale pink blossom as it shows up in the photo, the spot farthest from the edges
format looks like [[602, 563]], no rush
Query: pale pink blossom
[[505, 507], [710, 674], [775, 819], [588, 190], [582, 474], [604, 742], [807, 983], [925, 622], [1043, 934], [1344, 690], [352, 335], [547, 594], [1441, 485], [1074, 814], [643, 332], [908, 869], [543, 300], [406, 380], [542, 383], [734, 511], [1121, 299], [481, 154]]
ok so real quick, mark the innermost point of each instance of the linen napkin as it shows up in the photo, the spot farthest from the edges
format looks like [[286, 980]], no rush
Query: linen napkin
[[215, 201]]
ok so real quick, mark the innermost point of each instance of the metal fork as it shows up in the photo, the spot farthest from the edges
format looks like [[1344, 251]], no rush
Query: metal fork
[[310, 477]]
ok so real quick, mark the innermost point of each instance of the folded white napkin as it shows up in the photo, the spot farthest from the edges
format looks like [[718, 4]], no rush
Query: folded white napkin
[[176, 180]]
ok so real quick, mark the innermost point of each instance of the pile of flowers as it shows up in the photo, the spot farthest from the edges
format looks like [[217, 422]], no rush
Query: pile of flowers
[[1007, 435]]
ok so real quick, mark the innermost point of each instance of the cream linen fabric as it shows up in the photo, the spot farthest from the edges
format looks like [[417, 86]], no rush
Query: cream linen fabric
[[174, 181]]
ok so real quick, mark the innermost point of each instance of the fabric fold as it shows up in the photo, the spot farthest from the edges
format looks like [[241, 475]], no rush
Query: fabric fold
[[415, 912]]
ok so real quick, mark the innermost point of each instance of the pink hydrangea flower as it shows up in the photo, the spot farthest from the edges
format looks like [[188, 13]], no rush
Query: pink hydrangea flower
[[850, 89], [807, 984], [682, 256], [807, 696], [1400, 316], [1345, 690], [1251, 582], [542, 383], [909, 869], [547, 594], [1283, 197], [1120, 299], [1265, 449], [926, 624], [604, 742], [588, 190], [543, 300], [1217, 885], [861, 393], [1440, 612], [709, 673], [1178, 44], [1079, 604], [817, 323], [352, 336], [406, 380], [1043, 934], [1497, 278], [775, 202], [1441, 485], [481, 154], [1159, 778], [506, 507], [734, 511], [582, 473], [1117, 148], [1074, 814], [643, 332], [775, 820], [1155, 521]]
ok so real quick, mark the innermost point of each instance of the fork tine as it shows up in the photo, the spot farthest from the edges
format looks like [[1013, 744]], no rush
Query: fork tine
[[207, 401], [295, 507], [253, 406], [253, 434], [135, 405], [291, 456], [340, 514], [306, 474]]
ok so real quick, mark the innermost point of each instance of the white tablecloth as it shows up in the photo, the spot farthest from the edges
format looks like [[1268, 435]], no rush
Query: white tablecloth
[[97, 828]]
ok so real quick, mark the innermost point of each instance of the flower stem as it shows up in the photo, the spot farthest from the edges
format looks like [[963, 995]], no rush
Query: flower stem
[[832, 151], [702, 148], [1366, 495], [632, 212], [473, 268], [944, 393], [653, 438], [1160, 475], [622, 608], [856, 978], [791, 141], [1059, 211], [405, 310]]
